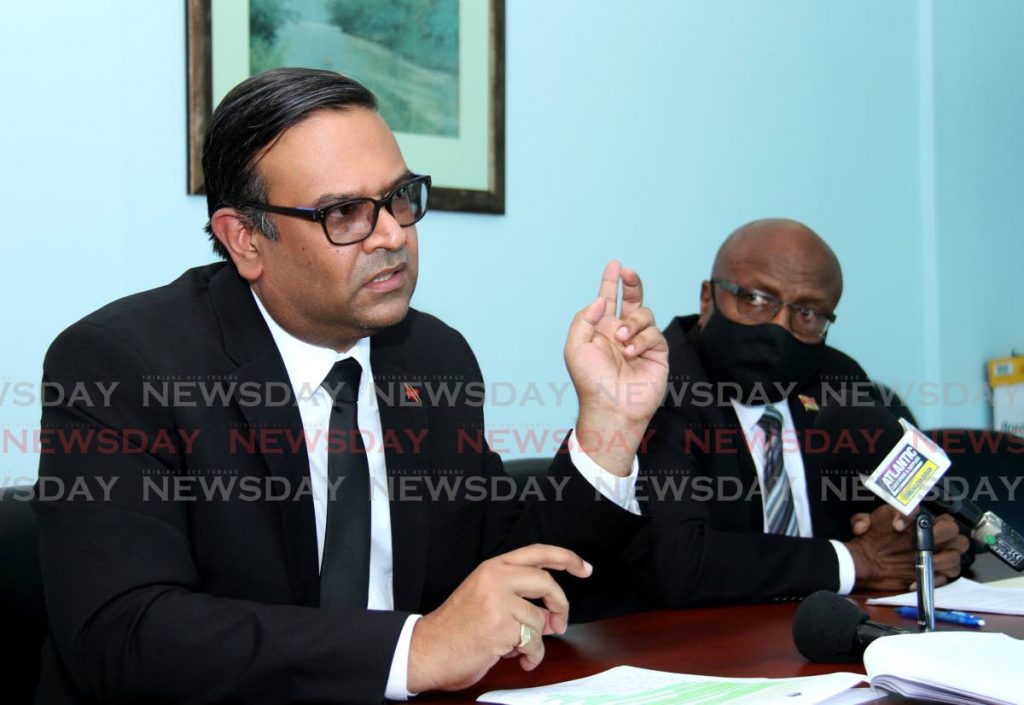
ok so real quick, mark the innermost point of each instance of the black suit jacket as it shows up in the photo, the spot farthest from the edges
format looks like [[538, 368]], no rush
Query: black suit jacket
[[712, 547], [158, 591]]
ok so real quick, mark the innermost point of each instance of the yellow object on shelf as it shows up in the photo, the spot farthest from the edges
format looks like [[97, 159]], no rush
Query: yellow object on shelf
[[1006, 377]]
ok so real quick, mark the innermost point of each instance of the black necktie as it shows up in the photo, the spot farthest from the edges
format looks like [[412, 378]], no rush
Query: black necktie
[[779, 511], [345, 568]]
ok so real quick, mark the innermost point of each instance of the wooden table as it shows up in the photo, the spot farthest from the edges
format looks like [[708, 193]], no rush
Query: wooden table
[[740, 641]]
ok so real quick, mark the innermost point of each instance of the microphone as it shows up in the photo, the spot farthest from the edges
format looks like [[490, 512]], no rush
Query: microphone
[[828, 628], [985, 526]]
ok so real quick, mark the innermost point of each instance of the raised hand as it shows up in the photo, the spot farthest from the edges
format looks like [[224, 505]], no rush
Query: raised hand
[[618, 361], [456, 644]]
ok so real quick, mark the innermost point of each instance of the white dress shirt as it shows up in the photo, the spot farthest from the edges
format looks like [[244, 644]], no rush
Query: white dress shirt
[[794, 465], [307, 365]]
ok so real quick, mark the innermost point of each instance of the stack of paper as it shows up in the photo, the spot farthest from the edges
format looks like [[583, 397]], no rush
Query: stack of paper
[[626, 685], [1016, 583], [949, 667], [965, 595]]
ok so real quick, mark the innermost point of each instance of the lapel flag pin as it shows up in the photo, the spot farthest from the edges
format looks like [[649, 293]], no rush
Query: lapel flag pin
[[412, 394], [810, 404]]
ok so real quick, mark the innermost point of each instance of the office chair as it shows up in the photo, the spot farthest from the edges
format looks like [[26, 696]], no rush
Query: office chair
[[22, 610], [522, 469], [988, 467]]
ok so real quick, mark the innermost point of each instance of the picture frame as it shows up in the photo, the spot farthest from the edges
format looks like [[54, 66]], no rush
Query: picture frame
[[467, 163]]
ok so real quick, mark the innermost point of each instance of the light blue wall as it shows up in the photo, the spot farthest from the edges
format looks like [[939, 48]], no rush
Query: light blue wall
[[979, 121], [639, 130]]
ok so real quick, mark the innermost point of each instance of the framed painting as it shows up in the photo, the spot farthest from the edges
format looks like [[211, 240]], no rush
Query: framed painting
[[436, 66]]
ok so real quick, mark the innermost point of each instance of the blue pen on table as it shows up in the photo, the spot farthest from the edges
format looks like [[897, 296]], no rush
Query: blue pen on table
[[950, 616]]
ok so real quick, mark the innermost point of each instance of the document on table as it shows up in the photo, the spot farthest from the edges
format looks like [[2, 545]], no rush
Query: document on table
[[1015, 583], [856, 696], [626, 685], [948, 667], [966, 595]]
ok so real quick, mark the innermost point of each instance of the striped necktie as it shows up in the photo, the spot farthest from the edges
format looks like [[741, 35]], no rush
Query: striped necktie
[[780, 517]]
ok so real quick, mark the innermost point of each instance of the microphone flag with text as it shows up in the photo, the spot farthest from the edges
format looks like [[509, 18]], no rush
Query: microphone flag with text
[[903, 466]]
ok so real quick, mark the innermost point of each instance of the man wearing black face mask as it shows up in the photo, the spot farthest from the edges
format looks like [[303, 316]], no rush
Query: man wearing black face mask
[[750, 511]]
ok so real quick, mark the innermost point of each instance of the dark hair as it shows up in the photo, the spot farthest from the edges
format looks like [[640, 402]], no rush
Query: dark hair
[[253, 115]]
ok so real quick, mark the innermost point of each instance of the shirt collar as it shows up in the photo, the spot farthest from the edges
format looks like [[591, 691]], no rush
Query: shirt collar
[[308, 364], [748, 416]]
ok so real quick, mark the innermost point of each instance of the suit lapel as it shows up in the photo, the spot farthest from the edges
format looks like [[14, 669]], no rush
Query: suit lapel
[[736, 464], [404, 421], [803, 421], [275, 426], [747, 474], [733, 461]]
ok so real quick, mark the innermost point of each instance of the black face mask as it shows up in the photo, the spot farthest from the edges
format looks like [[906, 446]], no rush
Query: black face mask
[[764, 361]]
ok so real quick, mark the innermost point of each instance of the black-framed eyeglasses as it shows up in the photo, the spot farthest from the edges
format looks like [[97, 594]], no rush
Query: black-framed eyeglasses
[[351, 221], [758, 307]]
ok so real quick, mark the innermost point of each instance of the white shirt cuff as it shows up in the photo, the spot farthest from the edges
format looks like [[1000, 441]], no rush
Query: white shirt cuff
[[619, 490], [847, 571], [398, 677]]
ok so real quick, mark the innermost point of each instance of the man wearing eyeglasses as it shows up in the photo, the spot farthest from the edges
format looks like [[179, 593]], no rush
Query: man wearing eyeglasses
[[304, 548], [751, 511]]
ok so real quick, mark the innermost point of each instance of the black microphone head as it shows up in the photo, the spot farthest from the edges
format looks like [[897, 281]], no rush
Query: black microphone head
[[825, 628]]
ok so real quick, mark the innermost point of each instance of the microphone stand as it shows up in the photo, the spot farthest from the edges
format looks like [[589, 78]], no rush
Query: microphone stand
[[924, 543]]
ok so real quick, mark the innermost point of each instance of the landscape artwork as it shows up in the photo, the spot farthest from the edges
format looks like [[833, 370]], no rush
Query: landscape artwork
[[437, 68], [405, 51]]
